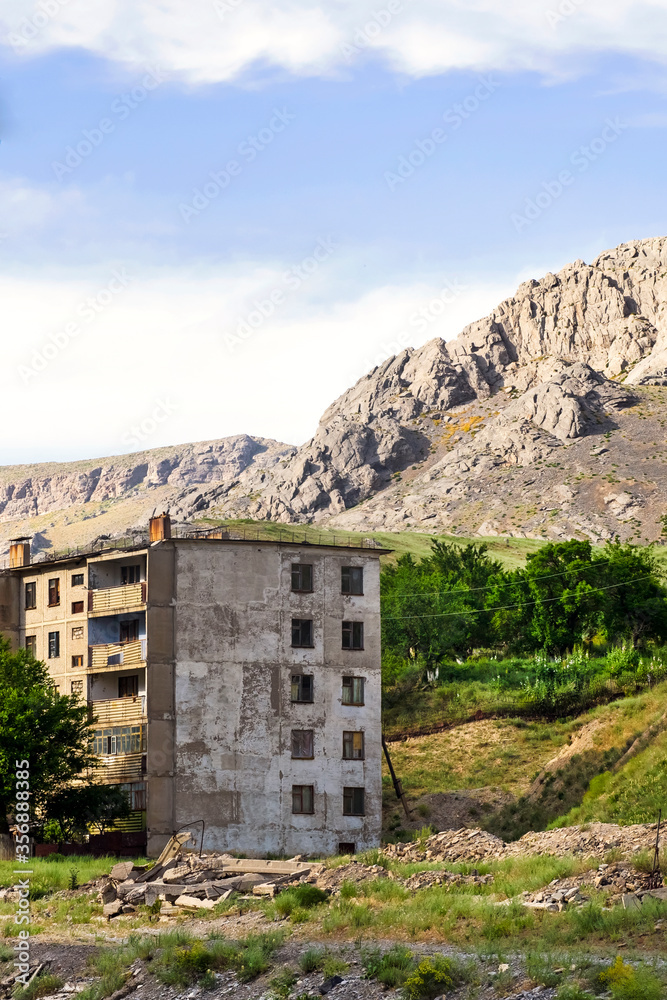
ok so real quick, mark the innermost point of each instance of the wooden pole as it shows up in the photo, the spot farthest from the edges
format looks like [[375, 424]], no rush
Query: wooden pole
[[398, 788]]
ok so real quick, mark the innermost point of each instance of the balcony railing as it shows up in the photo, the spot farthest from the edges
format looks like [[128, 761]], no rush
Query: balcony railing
[[126, 767], [116, 599], [117, 654], [131, 711]]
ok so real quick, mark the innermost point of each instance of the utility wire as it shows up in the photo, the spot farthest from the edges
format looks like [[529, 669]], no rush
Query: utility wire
[[474, 590], [508, 607]]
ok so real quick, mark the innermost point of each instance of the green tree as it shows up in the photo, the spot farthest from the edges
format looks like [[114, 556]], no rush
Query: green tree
[[79, 807], [51, 731]]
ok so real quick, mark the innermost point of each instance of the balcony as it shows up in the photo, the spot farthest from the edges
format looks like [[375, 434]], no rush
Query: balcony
[[116, 600], [117, 711], [117, 769], [117, 654]]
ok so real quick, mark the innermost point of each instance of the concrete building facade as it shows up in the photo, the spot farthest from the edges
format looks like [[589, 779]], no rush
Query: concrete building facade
[[234, 681]]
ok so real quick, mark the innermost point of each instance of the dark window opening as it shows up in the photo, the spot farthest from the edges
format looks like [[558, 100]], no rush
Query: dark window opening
[[77, 580], [353, 746], [353, 802], [54, 593], [30, 596], [302, 744], [302, 578], [128, 687], [353, 635], [352, 580], [77, 661], [302, 799], [353, 690], [54, 645], [302, 633], [77, 607], [31, 645], [130, 574], [302, 687], [347, 847], [129, 631]]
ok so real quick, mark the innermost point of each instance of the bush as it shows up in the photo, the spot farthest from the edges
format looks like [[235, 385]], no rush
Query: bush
[[41, 986], [627, 983], [431, 978], [295, 901], [391, 968], [312, 960]]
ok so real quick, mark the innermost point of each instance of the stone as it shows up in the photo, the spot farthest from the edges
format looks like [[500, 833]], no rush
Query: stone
[[191, 903], [110, 910], [122, 870], [329, 984], [107, 893], [630, 901]]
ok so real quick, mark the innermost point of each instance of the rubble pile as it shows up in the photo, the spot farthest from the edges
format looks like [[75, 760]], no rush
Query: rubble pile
[[452, 846], [620, 883], [187, 882]]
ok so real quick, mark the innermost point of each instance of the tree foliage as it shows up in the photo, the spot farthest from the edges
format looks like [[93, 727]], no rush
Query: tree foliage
[[77, 809]]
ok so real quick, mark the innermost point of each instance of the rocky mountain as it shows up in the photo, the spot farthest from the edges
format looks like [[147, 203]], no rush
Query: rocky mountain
[[544, 419]]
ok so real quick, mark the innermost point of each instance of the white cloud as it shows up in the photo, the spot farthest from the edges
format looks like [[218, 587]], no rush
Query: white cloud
[[215, 40], [161, 337]]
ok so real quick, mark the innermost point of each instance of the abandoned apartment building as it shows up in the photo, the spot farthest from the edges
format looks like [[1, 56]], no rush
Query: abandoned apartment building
[[233, 680]]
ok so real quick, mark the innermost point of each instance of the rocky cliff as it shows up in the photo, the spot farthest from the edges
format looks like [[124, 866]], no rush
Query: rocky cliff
[[546, 419]]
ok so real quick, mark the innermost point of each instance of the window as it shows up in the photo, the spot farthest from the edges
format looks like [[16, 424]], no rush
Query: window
[[77, 632], [30, 596], [128, 687], [353, 690], [346, 847], [302, 687], [302, 632], [302, 578], [129, 631], [353, 635], [54, 645], [130, 574], [77, 662], [302, 799], [353, 746], [77, 687], [77, 579], [120, 739], [77, 607], [54, 593], [136, 792], [31, 645], [352, 580], [302, 744], [353, 802]]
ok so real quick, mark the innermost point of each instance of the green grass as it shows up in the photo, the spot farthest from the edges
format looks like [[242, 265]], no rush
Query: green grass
[[41, 986], [51, 876]]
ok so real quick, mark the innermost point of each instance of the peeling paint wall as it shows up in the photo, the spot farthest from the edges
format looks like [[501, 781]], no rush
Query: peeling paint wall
[[233, 664]]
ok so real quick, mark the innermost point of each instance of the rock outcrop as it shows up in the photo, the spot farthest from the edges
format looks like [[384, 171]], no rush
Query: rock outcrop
[[546, 418]]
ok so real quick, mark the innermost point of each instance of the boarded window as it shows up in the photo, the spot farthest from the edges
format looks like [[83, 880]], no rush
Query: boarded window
[[129, 631], [54, 645], [302, 799], [353, 746], [353, 690], [352, 580], [30, 596], [54, 593], [353, 802], [77, 662], [302, 744], [77, 688], [353, 635], [77, 607], [128, 687], [130, 574], [77, 579], [77, 632], [302, 578], [302, 687], [31, 644], [120, 740], [302, 632]]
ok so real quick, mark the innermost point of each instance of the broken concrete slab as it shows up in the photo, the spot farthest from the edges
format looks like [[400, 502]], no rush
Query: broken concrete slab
[[192, 903]]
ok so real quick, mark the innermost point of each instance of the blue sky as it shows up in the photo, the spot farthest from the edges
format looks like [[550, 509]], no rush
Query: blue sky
[[380, 177]]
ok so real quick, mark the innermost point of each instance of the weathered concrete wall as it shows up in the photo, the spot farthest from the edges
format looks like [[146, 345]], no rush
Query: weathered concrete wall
[[234, 714], [9, 608]]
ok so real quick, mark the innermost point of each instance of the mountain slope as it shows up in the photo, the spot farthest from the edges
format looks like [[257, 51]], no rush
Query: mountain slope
[[544, 419]]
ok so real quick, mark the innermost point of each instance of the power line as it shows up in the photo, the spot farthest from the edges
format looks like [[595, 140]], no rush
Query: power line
[[508, 607], [474, 590]]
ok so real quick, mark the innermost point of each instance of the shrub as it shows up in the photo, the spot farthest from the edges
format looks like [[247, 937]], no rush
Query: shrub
[[391, 968], [298, 899], [281, 985], [627, 983], [570, 991], [312, 960], [41, 986], [431, 978]]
